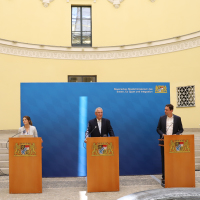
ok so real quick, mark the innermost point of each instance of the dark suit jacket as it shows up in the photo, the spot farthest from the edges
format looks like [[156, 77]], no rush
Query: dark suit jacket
[[177, 126], [105, 128]]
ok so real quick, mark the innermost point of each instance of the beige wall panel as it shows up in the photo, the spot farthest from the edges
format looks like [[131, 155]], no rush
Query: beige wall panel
[[135, 21], [140, 21], [179, 68], [31, 22]]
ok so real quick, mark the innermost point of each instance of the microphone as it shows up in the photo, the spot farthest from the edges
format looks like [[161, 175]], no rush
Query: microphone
[[89, 135], [92, 131], [23, 131], [104, 135]]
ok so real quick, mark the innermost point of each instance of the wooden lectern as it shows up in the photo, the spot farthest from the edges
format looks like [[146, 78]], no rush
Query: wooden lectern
[[179, 161], [102, 164], [25, 165]]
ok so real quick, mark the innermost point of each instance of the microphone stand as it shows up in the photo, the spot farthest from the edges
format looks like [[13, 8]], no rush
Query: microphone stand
[[12, 137], [89, 135]]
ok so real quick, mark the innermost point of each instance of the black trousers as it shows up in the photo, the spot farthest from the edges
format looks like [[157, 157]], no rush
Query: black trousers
[[162, 160]]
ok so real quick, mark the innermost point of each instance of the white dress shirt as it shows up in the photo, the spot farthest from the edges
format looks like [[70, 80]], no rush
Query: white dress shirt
[[169, 125], [99, 124]]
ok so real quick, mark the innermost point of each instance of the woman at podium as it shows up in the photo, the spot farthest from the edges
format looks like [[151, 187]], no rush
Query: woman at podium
[[28, 129]]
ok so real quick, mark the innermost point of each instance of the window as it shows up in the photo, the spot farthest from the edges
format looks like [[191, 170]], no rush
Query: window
[[82, 78], [185, 96], [81, 26]]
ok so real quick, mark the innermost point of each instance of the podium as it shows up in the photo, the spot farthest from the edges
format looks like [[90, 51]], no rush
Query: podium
[[179, 161], [102, 164], [25, 165]]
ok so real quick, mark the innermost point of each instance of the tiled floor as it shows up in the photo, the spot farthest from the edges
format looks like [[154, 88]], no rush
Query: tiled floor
[[75, 188]]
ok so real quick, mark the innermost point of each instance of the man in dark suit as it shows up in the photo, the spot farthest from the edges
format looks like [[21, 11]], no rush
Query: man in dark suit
[[99, 127], [169, 124]]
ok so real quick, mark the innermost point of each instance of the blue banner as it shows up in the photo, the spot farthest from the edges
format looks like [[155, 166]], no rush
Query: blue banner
[[60, 112]]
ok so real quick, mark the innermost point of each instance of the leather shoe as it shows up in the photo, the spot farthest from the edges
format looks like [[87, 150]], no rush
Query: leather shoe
[[163, 185]]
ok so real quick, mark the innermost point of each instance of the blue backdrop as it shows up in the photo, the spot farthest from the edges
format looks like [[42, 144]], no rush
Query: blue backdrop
[[60, 112]]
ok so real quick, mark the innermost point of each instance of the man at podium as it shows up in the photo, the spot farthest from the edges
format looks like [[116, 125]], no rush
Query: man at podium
[[169, 124], [99, 127]]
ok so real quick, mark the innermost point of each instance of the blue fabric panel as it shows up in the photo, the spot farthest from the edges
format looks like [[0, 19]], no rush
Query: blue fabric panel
[[60, 112]]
